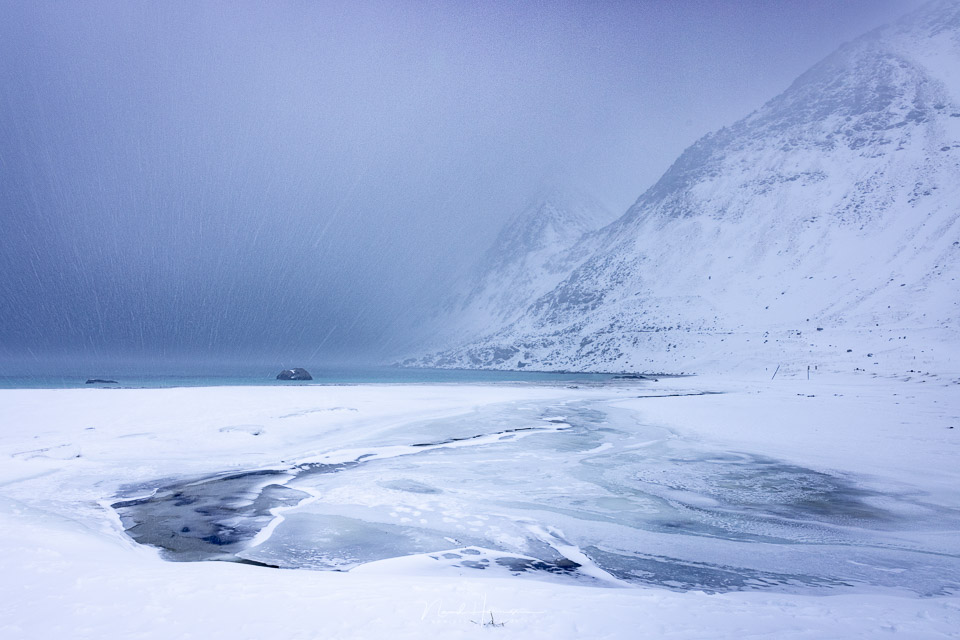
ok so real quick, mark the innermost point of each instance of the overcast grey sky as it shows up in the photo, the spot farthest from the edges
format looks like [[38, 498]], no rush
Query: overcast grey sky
[[276, 179]]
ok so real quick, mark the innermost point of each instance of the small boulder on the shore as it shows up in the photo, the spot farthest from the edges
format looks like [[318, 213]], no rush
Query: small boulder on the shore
[[294, 374], [101, 381]]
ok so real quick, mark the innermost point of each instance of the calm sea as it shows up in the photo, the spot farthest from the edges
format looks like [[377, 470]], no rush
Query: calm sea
[[132, 376]]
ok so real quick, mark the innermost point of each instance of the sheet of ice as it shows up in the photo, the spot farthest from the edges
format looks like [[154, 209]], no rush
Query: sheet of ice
[[671, 513], [579, 489]]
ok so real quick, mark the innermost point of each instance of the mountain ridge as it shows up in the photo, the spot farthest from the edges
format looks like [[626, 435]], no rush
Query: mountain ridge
[[831, 207]]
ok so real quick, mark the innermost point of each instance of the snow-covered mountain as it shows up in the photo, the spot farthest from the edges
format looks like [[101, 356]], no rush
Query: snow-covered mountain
[[529, 257], [827, 220]]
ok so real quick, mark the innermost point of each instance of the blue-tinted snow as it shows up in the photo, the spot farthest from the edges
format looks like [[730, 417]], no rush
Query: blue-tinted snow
[[573, 491]]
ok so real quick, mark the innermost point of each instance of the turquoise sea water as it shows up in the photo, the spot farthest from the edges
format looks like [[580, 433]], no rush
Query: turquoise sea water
[[132, 376]]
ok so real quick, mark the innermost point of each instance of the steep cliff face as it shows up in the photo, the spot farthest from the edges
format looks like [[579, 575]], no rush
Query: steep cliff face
[[830, 216]]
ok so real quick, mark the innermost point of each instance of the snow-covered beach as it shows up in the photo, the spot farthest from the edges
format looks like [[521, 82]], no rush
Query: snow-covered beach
[[885, 443], [483, 227]]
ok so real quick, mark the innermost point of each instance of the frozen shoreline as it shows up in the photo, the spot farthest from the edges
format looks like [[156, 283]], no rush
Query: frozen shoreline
[[69, 570]]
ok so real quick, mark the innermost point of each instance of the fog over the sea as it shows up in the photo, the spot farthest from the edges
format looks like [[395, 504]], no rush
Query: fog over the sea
[[283, 180]]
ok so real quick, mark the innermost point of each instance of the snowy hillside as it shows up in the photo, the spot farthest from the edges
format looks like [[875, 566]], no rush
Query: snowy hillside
[[825, 221], [528, 259]]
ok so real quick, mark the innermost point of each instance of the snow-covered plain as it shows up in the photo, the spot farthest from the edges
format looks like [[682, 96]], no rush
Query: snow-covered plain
[[781, 508]]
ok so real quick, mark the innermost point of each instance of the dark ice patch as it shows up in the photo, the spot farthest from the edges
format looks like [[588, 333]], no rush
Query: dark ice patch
[[518, 564], [206, 519]]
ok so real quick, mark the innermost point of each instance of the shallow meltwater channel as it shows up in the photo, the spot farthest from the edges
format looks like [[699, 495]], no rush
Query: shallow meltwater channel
[[577, 491]]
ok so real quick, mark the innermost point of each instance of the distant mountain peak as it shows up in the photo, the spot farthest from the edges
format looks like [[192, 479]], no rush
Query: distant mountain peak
[[553, 221], [524, 262]]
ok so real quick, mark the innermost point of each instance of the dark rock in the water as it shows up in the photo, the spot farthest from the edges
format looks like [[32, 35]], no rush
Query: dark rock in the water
[[99, 381], [294, 374]]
